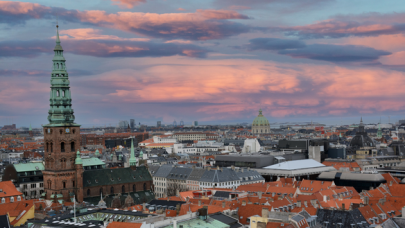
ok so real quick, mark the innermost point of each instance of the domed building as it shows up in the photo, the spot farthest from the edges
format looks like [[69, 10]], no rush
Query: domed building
[[361, 139], [260, 124]]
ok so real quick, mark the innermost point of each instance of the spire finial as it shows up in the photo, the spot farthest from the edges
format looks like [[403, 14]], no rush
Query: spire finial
[[132, 159], [57, 34], [260, 111]]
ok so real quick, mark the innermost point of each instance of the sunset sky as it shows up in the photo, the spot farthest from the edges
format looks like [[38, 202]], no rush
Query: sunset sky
[[215, 61]]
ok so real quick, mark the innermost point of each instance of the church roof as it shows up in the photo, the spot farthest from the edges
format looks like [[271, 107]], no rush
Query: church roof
[[100, 177], [92, 162]]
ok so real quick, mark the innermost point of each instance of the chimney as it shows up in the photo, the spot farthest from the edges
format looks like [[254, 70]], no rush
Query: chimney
[[223, 204], [325, 198], [390, 183], [143, 207], [199, 202], [174, 223], [403, 212], [177, 192], [233, 167], [265, 212], [259, 194], [298, 203], [343, 206], [243, 203]]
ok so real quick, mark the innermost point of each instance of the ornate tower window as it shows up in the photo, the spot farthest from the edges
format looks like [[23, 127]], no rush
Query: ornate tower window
[[62, 147], [72, 146]]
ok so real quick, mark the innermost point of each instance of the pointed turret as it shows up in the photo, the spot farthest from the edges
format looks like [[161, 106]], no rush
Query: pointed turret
[[97, 154], [361, 126], [78, 160], [132, 159], [30, 129]]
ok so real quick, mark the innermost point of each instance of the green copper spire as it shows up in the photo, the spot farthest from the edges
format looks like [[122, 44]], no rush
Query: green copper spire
[[78, 160], [60, 112], [132, 159], [97, 154], [30, 129]]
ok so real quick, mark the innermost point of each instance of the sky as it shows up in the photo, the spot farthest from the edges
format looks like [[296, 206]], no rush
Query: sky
[[214, 61]]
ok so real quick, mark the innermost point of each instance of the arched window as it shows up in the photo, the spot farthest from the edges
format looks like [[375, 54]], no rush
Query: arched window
[[47, 147], [144, 186], [133, 188], [123, 189], [57, 93], [51, 147], [88, 192], [64, 184], [73, 183], [112, 190], [62, 146], [72, 146], [57, 66], [49, 184], [63, 93]]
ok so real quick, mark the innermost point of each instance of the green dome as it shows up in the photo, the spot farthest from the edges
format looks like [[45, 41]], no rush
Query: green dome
[[260, 120]]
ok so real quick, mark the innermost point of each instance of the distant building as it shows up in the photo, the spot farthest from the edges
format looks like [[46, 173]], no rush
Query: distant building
[[132, 123], [195, 123], [361, 139], [159, 124], [174, 123], [260, 124]]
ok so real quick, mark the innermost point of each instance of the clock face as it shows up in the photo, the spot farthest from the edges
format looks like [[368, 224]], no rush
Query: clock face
[[67, 130]]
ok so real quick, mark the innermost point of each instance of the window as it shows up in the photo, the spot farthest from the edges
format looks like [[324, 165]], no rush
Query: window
[[144, 186], [123, 189], [41, 185], [72, 146], [112, 190], [64, 184], [57, 93], [12, 199], [62, 146], [101, 191], [133, 188], [3, 200], [18, 198], [73, 183], [88, 192]]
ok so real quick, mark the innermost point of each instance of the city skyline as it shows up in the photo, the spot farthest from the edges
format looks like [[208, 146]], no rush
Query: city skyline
[[217, 62]]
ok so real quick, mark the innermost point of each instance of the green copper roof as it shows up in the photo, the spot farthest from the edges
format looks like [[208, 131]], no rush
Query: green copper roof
[[132, 159], [27, 167], [78, 160], [260, 120], [97, 154], [92, 162], [61, 112], [198, 223]]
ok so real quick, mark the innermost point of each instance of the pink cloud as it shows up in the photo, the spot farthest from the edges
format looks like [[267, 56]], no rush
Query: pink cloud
[[239, 86], [127, 3], [92, 34]]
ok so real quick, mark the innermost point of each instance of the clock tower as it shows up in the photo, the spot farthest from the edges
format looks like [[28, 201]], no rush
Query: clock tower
[[61, 136]]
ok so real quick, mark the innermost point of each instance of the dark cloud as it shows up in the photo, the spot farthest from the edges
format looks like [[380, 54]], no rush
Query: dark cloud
[[336, 53], [101, 48], [367, 24], [274, 44]]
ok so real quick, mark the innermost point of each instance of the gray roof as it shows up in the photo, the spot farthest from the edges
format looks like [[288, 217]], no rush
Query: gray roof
[[222, 175], [346, 218], [249, 175], [179, 173], [153, 169], [196, 174], [163, 171], [390, 224]]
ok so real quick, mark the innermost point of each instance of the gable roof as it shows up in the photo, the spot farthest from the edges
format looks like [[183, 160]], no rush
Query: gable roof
[[8, 189]]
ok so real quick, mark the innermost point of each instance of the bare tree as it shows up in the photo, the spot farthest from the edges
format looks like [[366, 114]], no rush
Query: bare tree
[[175, 186]]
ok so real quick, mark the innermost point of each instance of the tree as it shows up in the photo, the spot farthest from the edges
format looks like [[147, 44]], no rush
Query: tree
[[174, 186]]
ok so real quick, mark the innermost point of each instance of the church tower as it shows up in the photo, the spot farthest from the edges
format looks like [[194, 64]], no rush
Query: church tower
[[61, 135]]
